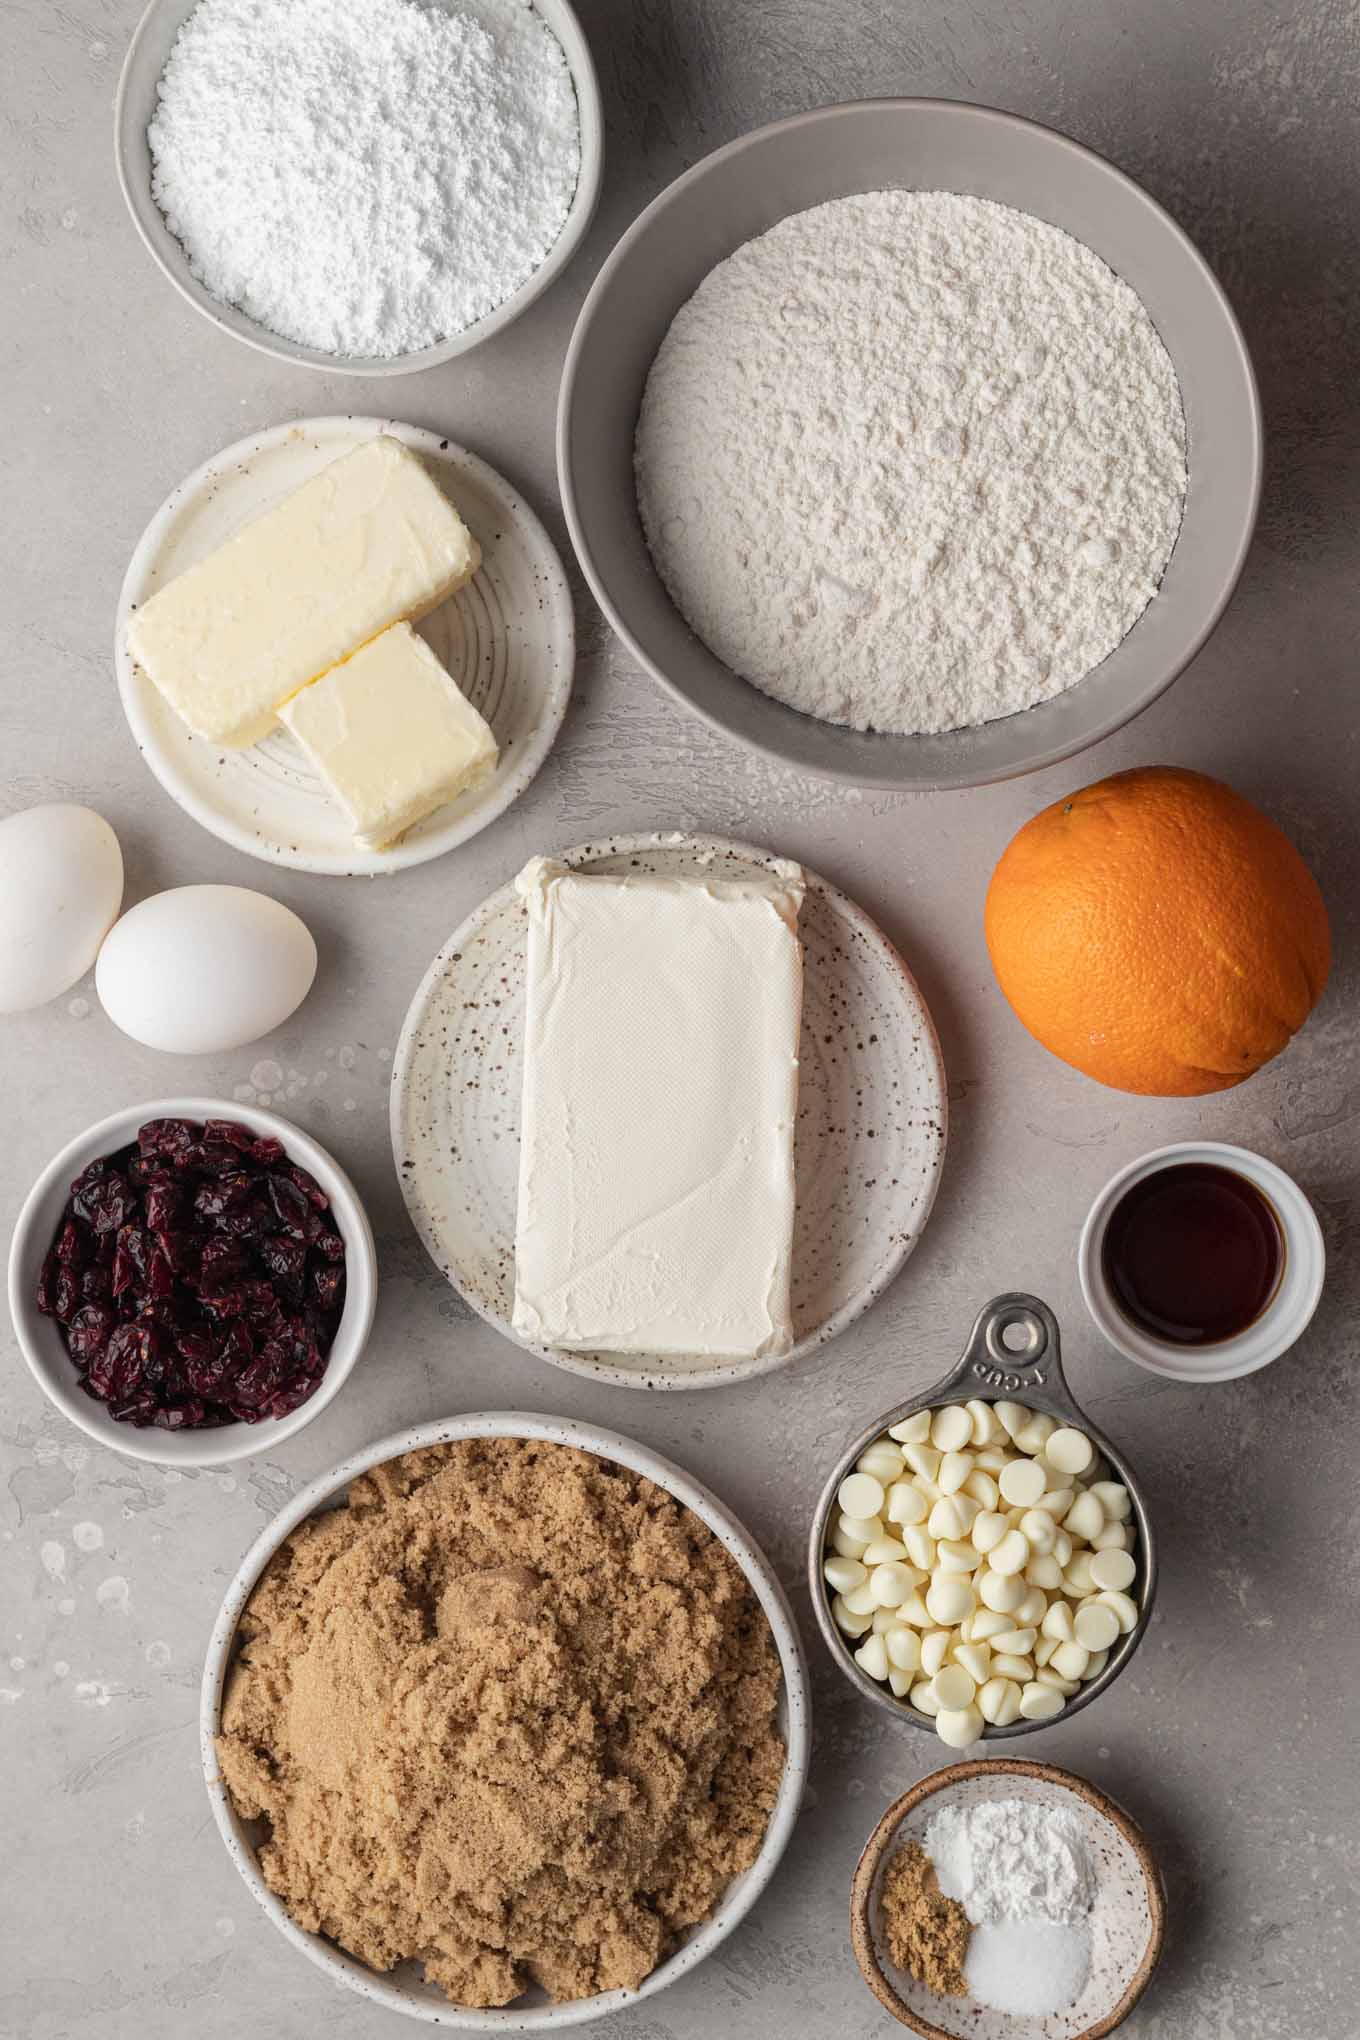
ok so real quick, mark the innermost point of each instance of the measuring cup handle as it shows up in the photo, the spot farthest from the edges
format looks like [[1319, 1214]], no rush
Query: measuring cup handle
[[989, 1368]]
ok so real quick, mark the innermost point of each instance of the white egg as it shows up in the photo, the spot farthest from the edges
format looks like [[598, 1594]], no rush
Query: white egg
[[61, 884], [205, 968]]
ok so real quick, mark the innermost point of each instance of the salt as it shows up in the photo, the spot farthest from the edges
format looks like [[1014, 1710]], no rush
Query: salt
[[1021, 1871], [365, 177]]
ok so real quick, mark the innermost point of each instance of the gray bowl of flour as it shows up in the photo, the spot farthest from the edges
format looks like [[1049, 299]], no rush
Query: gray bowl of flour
[[1107, 424]]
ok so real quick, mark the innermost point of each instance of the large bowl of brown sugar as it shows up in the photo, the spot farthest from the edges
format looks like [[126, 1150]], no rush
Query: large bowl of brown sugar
[[505, 1722]]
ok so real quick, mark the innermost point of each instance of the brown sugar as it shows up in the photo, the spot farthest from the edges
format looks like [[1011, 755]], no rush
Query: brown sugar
[[927, 1934], [511, 1714]]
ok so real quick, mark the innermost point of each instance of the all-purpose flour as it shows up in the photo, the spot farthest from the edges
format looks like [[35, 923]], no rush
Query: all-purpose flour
[[365, 176], [912, 460]]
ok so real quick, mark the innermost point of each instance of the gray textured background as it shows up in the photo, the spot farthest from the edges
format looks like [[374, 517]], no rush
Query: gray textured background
[[1232, 1738]]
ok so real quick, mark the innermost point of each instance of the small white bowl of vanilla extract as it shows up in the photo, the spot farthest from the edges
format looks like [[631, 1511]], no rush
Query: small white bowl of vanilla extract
[[1202, 1261]]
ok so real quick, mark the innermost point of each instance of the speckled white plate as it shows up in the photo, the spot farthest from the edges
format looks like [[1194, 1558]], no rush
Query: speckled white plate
[[508, 639], [404, 1989], [1127, 1919], [872, 1111]]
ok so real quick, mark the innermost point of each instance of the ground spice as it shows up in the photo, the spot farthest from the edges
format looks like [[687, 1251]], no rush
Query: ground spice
[[510, 1714], [927, 1935]]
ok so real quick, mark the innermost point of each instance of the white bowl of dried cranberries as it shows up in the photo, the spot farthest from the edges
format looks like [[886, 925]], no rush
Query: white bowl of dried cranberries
[[191, 1282]]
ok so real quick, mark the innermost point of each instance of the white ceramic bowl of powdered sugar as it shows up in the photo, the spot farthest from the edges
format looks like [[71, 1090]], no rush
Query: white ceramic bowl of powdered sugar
[[909, 443], [367, 187]]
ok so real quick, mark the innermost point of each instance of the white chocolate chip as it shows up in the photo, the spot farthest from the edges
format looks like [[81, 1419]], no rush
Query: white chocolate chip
[[847, 1620], [860, 1600], [987, 1623], [1040, 1531], [1007, 1667], [900, 1682], [949, 1598], [958, 1729], [982, 1489], [891, 1584], [1096, 1625], [1070, 1450], [915, 1611], [1021, 1483], [920, 1546], [860, 1495], [1057, 1623], [847, 1547], [954, 1688], [883, 1461], [1034, 1435], [1113, 1571], [952, 1555], [999, 1702], [1114, 1537], [913, 1430], [988, 1530], [1044, 1572], [1124, 1609], [865, 1528], [844, 1573], [1086, 1517], [1040, 1703], [1032, 1609], [906, 1504], [923, 1459], [903, 1646], [1011, 1555], [1114, 1499], [1070, 1660], [986, 1429], [1013, 1415], [1046, 1676], [884, 1551], [923, 1699], [951, 1428], [1001, 1591], [872, 1657], [934, 1651], [976, 1659]]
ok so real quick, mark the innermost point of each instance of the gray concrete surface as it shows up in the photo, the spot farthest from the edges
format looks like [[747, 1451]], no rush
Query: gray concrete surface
[[1233, 1737]]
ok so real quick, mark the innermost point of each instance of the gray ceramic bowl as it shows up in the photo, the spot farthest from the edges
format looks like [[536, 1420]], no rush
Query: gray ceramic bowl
[[926, 144], [147, 52]]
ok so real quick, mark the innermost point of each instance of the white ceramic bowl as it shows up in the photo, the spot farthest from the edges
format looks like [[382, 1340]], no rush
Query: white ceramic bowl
[[1285, 1317], [743, 189], [136, 101], [40, 1337], [403, 1990]]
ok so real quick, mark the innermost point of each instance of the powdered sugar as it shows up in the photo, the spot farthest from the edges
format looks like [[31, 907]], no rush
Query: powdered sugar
[[912, 460], [365, 176]]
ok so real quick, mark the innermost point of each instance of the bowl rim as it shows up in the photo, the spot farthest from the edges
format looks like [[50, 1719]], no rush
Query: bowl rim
[[862, 1883], [760, 1576], [975, 1377], [585, 201], [726, 1373], [898, 781], [1280, 1325], [231, 1442]]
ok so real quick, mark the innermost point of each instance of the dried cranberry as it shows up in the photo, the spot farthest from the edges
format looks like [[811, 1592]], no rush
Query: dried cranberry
[[88, 1333], [166, 1136], [75, 1244], [199, 1276], [106, 1203]]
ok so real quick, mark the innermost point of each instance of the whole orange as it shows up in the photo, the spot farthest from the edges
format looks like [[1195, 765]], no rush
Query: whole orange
[[1157, 932]]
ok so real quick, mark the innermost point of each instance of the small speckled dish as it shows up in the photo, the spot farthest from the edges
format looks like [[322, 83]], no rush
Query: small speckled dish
[[508, 639], [404, 1988], [1127, 1921], [872, 1111]]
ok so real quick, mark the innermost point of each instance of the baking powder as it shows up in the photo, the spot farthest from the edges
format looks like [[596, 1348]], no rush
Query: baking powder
[[912, 460], [365, 176]]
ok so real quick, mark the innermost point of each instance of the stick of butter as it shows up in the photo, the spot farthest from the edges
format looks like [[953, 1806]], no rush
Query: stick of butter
[[368, 542], [656, 1178], [391, 735]]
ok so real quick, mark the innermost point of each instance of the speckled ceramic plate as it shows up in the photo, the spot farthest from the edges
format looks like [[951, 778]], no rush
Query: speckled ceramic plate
[[404, 1988], [871, 1112], [1127, 1920], [508, 639]]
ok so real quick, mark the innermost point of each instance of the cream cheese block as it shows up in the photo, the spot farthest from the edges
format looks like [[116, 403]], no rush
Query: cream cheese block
[[368, 542], [391, 735], [656, 1179]]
